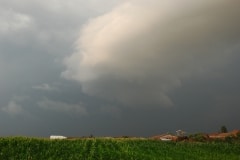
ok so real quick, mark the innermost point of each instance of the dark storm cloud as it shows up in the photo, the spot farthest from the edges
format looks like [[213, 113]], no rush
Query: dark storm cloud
[[144, 67]]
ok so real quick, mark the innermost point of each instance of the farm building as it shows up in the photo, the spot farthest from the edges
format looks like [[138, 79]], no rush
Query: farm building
[[57, 137], [165, 137]]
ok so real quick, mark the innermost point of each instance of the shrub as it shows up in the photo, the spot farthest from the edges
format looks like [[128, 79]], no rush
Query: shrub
[[199, 137]]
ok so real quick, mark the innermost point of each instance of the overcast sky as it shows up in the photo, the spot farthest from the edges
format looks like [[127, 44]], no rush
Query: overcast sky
[[118, 67]]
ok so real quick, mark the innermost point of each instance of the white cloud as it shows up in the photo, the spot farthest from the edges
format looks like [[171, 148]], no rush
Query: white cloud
[[62, 107], [11, 21], [142, 50], [44, 87]]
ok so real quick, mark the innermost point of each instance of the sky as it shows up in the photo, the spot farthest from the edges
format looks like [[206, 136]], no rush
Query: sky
[[118, 67]]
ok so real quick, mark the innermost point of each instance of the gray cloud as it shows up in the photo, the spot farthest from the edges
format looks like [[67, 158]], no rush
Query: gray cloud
[[62, 107], [139, 52], [111, 110], [14, 106]]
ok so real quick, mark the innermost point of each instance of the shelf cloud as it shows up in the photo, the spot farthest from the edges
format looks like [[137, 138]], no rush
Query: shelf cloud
[[140, 51]]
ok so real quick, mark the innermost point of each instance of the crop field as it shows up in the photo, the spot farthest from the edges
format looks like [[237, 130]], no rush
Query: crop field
[[19, 148]]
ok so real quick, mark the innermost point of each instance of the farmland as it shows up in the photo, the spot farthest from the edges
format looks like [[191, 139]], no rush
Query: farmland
[[20, 148]]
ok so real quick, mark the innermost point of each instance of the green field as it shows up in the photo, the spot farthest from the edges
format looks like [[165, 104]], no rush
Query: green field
[[20, 148]]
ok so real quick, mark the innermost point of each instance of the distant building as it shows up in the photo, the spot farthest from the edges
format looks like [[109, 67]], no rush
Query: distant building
[[165, 137], [57, 137]]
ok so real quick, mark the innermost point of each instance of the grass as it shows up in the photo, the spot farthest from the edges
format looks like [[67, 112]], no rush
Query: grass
[[20, 148]]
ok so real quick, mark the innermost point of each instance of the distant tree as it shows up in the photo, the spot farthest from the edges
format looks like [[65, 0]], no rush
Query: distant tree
[[224, 129], [91, 136]]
